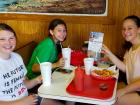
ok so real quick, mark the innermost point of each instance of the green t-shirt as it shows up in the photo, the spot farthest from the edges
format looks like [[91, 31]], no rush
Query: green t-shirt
[[46, 52]]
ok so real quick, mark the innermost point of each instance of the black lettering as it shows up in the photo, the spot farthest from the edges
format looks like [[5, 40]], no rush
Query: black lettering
[[6, 84], [7, 75], [20, 68], [8, 91], [13, 72], [13, 96], [15, 88]]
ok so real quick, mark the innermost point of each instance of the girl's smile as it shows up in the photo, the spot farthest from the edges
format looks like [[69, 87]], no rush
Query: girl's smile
[[7, 43], [59, 33], [130, 31]]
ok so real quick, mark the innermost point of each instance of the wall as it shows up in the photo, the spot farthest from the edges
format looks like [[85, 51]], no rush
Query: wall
[[34, 27]]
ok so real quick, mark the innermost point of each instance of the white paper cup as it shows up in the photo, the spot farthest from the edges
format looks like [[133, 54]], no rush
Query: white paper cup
[[88, 63], [45, 68], [66, 53]]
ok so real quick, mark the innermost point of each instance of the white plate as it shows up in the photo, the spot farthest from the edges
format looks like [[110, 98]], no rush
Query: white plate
[[109, 68], [113, 68]]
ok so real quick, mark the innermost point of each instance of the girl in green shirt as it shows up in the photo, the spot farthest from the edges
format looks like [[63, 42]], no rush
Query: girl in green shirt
[[47, 50]]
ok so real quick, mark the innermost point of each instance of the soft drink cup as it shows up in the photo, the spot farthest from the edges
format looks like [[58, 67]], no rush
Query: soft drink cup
[[45, 68], [88, 63], [66, 53]]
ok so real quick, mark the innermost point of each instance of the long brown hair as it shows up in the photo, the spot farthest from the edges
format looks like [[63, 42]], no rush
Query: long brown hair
[[127, 45]]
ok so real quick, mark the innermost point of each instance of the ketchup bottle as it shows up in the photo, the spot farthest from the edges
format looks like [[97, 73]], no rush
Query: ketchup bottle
[[79, 79]]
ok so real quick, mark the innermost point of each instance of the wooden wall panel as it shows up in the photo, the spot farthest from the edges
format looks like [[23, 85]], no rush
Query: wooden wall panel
[[34, 27]]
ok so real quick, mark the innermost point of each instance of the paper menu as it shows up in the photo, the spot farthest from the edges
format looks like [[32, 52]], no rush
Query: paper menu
[[95, 41]]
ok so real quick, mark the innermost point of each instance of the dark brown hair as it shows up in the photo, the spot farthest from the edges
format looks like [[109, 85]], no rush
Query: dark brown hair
[[55, 23], [127, 45], [6, 27]]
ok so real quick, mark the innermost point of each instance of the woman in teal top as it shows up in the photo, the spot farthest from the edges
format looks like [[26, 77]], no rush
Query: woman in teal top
[[47, 50]]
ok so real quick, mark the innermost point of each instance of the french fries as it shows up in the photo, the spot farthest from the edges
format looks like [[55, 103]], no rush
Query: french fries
[[104, 72]]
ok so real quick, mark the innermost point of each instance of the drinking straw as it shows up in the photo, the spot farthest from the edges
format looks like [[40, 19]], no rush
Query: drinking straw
[[37, 60]]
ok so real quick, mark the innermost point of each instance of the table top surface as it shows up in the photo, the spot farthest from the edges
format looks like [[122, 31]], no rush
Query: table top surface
[[57, 90]]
